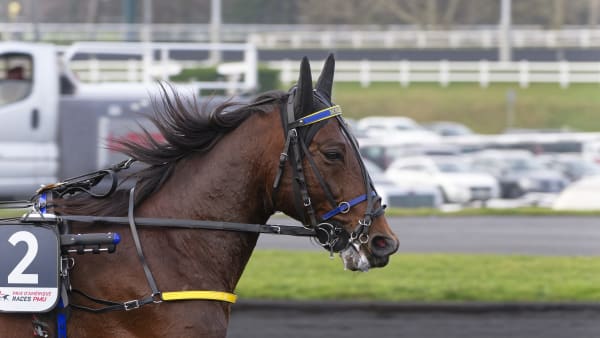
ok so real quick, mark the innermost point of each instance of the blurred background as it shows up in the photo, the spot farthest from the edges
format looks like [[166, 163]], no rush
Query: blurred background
[[447, 80], [478, 121]]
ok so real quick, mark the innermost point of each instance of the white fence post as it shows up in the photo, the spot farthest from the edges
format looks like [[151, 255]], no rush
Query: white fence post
[[365, 76], [356, 40], [484, 73], [524, 74], [388, 39], [326, 40], [550, 39], [296, 41], [564, 74], [286, 72], [164, 61], [421, 39], [404, 73], [94, 70], [486, 39], [444, 76], [251, 72], [271, 41], [132, 69], [584, 38], [518, 39], [454, 39]]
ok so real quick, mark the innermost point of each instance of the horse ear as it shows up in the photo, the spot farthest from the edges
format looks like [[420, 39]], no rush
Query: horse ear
[[303, 104], [325, 81]]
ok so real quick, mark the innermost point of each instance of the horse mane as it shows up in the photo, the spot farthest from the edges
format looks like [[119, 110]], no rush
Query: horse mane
[[186, 128]]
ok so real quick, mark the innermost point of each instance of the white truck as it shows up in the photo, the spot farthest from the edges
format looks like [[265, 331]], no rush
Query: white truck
[[58, 105]]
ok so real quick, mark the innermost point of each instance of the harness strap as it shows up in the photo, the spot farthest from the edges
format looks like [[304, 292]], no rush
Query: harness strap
[[300, 185], [320, 178], [138, 244], [196, 294], [283, 158], [298, 180], [273, 229], [166, 296], [110, 305]]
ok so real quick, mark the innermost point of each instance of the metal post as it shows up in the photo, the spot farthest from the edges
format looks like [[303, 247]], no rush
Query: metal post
[[504, 48], [34, 21], [147, 41], [147, 26], [511, 99], [215, 29], [129, 19]]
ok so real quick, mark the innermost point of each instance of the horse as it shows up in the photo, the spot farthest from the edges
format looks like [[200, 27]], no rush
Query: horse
[[285, 151]]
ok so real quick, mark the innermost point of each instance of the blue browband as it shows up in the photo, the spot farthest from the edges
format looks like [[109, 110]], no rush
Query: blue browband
[[317, 116]]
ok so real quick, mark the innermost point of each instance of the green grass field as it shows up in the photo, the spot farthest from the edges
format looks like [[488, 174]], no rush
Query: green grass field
[[12, 212], [482, 109], [423, 278]]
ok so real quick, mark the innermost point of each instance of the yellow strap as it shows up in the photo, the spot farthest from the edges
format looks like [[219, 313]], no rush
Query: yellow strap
[[199, 295]]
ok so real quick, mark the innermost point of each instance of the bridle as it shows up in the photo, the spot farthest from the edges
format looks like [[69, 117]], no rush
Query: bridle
[[298, 135]]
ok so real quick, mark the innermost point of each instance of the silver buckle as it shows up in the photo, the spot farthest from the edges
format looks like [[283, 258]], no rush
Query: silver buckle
[[131, 305]]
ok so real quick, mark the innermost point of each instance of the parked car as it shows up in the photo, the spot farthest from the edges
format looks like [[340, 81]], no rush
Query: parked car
[[518, 172], [447, 128], [384, 153], [396, 129], [405, 195], [572, 166], [449, 173], [356, 131]]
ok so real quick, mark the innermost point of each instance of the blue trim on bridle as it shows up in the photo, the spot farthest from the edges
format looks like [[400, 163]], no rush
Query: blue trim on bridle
[[317, 116], [344, 207]]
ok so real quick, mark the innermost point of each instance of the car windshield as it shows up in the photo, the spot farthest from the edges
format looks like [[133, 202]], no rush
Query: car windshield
[[451, 166], [523, 164], [407, 127]]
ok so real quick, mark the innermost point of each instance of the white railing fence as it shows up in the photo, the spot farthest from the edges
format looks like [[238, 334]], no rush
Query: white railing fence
[[410, 38], [309, 36], [145, 62], [445, 72]]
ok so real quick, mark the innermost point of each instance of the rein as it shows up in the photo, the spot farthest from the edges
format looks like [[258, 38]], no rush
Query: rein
[[156, 296]]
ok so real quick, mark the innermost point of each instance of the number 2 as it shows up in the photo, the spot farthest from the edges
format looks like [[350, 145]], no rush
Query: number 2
[[17, 276]]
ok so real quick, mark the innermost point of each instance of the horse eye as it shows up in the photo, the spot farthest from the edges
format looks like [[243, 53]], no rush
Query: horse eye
[[334, 156]]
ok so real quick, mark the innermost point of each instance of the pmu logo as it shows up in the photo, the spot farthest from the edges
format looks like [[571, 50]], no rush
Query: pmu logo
[[3, 297]]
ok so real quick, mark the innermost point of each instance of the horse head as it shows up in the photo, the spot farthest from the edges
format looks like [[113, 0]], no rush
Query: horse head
[[332, 191]]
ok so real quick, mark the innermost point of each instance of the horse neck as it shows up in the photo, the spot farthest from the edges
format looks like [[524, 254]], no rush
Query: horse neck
[[226, 184]]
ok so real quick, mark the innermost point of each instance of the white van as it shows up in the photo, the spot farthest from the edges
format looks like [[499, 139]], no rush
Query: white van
[[53, 125]]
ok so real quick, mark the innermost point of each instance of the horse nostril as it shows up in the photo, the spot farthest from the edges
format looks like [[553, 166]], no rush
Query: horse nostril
[[380, 242], [383, 246]]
